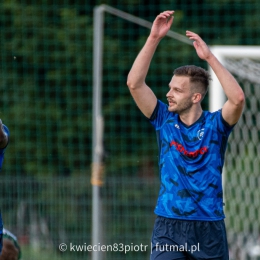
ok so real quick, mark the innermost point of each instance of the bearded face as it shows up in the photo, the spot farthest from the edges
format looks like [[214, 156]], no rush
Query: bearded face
[[179, 96]]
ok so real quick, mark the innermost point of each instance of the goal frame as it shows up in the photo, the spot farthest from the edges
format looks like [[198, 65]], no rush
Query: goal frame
[[216, 101], [217, 96], [97, 117]]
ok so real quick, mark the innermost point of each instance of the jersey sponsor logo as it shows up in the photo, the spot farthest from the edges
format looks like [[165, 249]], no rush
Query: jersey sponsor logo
[[192, 154]]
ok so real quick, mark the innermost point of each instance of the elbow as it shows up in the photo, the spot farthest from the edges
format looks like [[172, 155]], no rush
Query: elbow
[[134, 82], [131, 84], [241, 98]]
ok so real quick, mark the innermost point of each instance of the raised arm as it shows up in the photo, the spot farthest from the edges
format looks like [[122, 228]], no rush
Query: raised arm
[[142, 94], [233, 107]]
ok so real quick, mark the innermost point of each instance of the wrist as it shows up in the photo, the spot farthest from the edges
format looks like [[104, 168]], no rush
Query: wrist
[[210, 58], [153, 39]]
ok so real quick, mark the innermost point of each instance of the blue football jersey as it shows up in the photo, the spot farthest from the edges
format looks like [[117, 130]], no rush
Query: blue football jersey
[[191, 159]]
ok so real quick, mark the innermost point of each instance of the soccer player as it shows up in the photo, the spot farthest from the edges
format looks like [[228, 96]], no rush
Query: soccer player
[[4, 136], [11, 249], [192, 144]]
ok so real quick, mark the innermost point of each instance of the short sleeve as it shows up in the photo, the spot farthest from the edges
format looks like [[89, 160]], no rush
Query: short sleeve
[[160, 115], [222, 125]]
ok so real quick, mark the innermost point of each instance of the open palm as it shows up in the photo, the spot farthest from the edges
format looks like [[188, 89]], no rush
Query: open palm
[[162, 24], [200, 46]]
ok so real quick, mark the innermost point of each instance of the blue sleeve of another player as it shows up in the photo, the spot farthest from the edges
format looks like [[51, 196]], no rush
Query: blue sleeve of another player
[[6, 130], [223, 126], [160, 115]]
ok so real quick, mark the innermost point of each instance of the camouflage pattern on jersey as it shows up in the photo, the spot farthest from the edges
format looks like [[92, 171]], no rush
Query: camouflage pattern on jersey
[[191, 159]]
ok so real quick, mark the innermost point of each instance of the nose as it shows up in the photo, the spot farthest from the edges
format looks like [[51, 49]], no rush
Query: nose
[[168, 94]]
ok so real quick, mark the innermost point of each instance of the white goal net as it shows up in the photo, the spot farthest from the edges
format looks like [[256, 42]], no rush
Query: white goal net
[[242, 165]]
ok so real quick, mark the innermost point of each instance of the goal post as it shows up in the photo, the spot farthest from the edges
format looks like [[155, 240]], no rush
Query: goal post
[[216, 94], [241, 170], [241, 165], [97, 117]]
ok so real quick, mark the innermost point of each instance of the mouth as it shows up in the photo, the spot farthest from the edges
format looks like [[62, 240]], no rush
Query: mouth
[[171, 102]]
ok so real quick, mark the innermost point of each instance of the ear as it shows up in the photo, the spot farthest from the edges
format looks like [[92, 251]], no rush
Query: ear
[[196, 97]]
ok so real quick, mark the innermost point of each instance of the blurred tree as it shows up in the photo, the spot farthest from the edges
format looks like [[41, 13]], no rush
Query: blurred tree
[[46, 90]]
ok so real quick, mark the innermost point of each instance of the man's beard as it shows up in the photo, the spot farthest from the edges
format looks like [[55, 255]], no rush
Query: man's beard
[[182, 108]]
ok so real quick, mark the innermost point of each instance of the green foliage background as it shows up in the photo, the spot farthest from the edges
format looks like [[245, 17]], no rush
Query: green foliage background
[[46, 83], [46, 92]]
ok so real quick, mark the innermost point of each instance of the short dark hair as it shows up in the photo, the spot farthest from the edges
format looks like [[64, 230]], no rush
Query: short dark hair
[[199, 76]]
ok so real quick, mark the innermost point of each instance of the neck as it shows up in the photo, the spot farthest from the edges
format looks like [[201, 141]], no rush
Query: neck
[[191, 116]]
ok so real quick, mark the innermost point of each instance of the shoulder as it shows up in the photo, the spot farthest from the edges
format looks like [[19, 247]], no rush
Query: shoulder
[[161, 108], [216, 120], [160, 115], [217, 116]]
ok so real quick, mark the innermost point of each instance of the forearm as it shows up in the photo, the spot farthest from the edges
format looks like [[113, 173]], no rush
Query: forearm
[[229, 84], [139, 70]]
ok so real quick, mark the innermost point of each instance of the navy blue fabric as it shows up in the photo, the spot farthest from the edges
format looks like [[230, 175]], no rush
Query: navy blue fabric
[[189, 240]]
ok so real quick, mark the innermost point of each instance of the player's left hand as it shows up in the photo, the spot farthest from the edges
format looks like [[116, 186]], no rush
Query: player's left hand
[[200, 46]]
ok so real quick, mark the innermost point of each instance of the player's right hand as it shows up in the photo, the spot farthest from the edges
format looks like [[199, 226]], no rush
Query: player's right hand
[[162, 24]]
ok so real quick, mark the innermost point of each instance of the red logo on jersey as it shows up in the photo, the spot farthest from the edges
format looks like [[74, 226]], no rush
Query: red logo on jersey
[[192, 154]]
